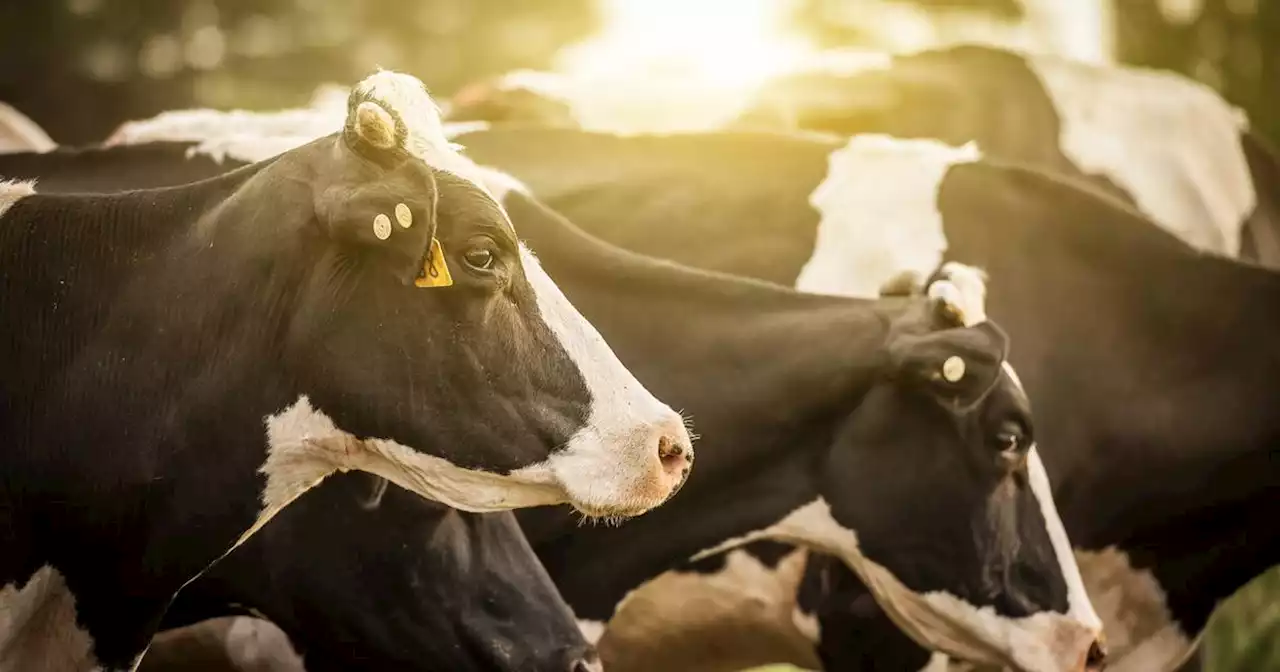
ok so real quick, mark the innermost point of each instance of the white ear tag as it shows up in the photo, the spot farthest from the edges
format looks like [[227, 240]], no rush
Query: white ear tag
[[953, 369], [382, 227], [403, 215]]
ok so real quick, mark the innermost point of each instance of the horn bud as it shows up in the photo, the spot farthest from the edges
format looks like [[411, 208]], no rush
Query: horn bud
[[375, 126]]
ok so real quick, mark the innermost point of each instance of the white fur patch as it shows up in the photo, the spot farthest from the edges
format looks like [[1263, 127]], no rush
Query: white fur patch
[[879, 213], [736, 618], [592, 631], [240, 134], [499, 183], [964, 287], [258, 645], [1043, 642], [18, 133], [11, 192], [38, 629], [1141, 632], [1172, 143], [611, 465], [454, 129]]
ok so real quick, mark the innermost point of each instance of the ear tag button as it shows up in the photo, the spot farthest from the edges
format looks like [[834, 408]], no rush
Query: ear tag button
[[403, 215], [382, 227], [436, 272], [953, 369]]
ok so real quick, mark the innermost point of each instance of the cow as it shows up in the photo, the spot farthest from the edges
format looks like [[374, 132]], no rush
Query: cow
[[452, 591], [18, 133], [1151, 373], [183, 363], [842, 411], [1168, 145]]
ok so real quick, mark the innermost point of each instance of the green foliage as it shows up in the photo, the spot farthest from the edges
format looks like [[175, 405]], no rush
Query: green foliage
[[1244, 635]]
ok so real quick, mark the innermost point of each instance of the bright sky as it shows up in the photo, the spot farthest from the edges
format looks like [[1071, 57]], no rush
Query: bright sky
[[732, 41], [683, 63], [669, 65]]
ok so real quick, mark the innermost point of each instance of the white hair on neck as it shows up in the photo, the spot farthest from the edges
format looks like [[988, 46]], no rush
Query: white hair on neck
[[964, 287], [12, 191]]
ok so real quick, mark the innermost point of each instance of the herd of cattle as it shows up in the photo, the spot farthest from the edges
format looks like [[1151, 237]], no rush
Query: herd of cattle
[[274, 382]]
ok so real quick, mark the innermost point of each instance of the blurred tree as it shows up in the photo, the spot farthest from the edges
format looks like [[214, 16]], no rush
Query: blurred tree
[[81, 67]]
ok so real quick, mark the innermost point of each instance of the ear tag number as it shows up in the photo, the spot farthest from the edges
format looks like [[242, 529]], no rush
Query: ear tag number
[[382, 227], [953, 369], [436, 272], [404, 215]]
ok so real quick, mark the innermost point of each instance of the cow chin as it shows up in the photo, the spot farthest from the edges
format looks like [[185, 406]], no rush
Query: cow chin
[[1042, 642]]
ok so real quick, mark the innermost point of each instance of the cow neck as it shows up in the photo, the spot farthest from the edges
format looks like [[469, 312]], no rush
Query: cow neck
[[89, 304], [765, 373], [1153, 369]]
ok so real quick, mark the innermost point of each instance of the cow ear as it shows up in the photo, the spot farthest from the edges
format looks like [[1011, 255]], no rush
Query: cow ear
[[959, 366], [390, 222]]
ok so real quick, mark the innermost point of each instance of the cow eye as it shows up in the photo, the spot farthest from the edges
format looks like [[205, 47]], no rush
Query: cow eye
[[1010, 437], [479, 258]]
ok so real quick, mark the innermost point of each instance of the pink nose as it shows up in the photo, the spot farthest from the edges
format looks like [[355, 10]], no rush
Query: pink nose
[[1096, 659], [676, 455]]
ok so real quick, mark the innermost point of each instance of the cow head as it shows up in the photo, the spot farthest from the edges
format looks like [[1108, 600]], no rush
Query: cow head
[[423, 341], [451, 590], [963, 545]]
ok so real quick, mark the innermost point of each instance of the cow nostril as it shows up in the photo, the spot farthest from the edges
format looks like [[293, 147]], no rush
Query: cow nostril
[[674, 455], [590, 662], [1096, 660]]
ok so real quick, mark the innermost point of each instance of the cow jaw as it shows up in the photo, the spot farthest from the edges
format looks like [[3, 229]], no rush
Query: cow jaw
[[305, 446], [1042, 642]]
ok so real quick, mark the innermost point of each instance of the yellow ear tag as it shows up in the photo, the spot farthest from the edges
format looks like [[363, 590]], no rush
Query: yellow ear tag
[[953, 369], [436, 272]]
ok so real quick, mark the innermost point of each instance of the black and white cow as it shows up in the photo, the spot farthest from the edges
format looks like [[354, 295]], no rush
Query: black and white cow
[[830, 417], [1153, 378], [450, 591], [1167, 144], [180, 364]]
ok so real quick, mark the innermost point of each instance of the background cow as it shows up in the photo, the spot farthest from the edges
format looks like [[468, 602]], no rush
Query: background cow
[[1164, 388], [1163, 142]]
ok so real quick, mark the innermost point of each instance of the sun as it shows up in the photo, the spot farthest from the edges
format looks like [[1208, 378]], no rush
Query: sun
[[679, 64]]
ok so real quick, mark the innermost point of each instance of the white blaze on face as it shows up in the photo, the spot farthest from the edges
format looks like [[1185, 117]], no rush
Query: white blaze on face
[[1078, 602], [879, 213], [612, 464], [1172, 143], [12, 192]]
